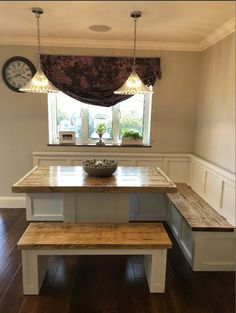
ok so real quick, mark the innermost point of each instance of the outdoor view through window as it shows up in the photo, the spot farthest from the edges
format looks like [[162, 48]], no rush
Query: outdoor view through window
[[68, 114]]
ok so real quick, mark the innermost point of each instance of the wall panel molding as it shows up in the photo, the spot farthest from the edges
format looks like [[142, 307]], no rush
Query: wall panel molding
[[215, 185]]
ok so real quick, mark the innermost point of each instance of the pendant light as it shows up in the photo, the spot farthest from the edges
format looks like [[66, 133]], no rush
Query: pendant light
[[133, 85], [39, 83]]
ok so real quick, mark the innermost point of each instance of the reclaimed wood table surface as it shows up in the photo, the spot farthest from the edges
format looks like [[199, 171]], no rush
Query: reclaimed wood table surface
[[74, 179], [67, 193]]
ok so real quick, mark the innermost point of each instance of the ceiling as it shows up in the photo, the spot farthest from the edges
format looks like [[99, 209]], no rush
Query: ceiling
[[176, 22]]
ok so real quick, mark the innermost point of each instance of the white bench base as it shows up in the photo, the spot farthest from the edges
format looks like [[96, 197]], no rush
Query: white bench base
[[204, 250], [34, 265]]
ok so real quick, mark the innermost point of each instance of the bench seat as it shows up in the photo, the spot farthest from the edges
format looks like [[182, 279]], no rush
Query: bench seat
[[43, 239], [197, 213], [206, 238]]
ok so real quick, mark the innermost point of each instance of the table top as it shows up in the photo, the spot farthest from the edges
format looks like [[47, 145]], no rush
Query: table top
[[74, 179]]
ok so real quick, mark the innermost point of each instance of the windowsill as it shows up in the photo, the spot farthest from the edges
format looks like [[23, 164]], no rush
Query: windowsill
[[94, 145]]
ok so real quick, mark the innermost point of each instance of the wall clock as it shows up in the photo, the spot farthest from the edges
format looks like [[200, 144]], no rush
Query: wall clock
[[17, 71]]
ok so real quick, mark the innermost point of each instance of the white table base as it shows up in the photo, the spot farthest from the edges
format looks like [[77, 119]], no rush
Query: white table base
[[34, 265], [78, 207]]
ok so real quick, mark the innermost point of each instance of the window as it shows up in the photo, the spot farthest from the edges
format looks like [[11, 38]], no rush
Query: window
[[66, 113]]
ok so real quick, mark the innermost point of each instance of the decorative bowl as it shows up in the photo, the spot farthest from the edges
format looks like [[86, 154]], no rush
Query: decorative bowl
[[100, 168]]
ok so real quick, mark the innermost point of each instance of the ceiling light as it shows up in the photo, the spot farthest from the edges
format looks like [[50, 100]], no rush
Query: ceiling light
[[133, 85], [100, 28], [39, 83]]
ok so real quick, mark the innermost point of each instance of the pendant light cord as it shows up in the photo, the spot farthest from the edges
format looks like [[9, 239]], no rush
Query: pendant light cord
[[135, 31], [38, 34]]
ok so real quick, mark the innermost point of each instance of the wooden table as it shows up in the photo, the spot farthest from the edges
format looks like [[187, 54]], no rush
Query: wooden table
[[67, 193]]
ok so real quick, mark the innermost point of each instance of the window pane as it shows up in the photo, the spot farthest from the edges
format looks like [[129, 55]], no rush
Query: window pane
[[131, 114], [100, 115], [68, 114]]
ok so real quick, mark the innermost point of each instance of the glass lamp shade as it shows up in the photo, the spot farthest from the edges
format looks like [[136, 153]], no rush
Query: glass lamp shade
[[39, 84], [133, 86]]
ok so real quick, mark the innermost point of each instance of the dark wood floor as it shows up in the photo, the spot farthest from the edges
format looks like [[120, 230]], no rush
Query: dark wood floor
[[107, 284]]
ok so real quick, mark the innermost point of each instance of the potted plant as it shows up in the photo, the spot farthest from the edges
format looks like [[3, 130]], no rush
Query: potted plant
[[100, 130], [131, 137]]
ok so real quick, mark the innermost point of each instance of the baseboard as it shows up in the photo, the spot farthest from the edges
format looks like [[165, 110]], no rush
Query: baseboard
[[12, 202], [215, 267]]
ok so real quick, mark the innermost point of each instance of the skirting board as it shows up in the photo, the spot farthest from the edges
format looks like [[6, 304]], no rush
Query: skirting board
[[12, 202]]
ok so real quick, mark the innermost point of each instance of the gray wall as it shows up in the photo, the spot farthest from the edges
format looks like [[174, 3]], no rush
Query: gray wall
[[215, 132], [24, 119]]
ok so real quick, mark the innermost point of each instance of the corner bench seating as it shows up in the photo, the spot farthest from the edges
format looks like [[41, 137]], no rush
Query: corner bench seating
[[197, 213], [43, 239], [206, 238]]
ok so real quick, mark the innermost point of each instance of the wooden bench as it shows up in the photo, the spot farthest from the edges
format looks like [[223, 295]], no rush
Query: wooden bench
[[197, 213], [206, 238], [43, 239]]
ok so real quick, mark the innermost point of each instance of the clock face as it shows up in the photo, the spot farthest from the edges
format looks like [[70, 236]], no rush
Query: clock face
[[17, 72]]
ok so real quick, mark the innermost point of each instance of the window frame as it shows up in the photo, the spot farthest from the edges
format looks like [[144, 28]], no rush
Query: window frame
[[85, 140]]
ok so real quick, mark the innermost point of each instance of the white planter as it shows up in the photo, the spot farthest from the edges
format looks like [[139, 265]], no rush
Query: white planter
[[131, 141]]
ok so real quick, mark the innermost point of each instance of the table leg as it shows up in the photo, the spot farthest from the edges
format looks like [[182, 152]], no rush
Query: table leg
[[34, 268], [155, 270]]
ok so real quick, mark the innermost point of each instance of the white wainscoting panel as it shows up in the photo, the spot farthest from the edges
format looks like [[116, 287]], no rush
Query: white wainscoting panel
[[76, 162], [177, 168], [53, 161], [228, 201], [213, 190], [215, 185], [198, 177], [152, 163]]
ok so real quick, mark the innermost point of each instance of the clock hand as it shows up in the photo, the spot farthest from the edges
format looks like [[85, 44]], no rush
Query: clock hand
[[14, 76], [19, 75], [25, 77]]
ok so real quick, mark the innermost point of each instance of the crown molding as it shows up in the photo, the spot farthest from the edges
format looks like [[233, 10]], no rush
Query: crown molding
[[217, 35], [100, 44], [220, 33]]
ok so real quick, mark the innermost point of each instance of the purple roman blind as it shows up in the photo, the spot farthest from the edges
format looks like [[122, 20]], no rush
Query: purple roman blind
[[93, 80]]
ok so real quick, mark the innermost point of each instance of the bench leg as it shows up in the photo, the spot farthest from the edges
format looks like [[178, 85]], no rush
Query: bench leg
[[34, 268], [155, 270]]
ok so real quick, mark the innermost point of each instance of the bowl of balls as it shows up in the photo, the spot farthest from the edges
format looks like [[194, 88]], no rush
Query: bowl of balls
[[100, 168]]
